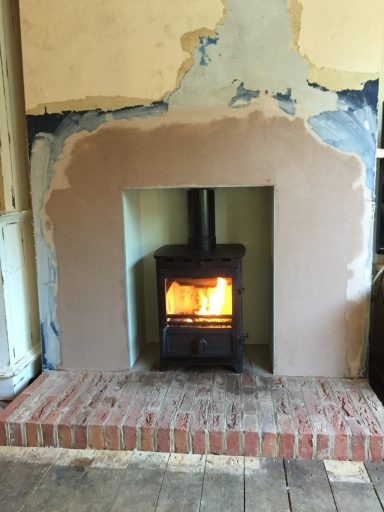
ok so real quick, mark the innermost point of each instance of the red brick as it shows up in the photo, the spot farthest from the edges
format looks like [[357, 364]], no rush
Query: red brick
[[341, 448], [113, 437], [6, 413], [33, 424], [318, 420], [359, 432], [199, 442], [34, 386], [129, 426], [200, 411], [251, 434], [64, 426], [323, 446], [182, 420], [216, 429], [359, 436], [250, 417], [168, 411], [300, 418], [199, 424], [367, 417], [15, 434], [233, 443], [98, 419], [251, 444], [81, 418], [217, 404], [223, 414], [96, 438], [181, 432], [3, 434], [23, 406], [233, 415], [50, 418], [286, 432], [147, 425], [269, 444], [147, 431], [267, 420], [163, 439], [113, 431], [375, 452], [64, 436], [340, 431]]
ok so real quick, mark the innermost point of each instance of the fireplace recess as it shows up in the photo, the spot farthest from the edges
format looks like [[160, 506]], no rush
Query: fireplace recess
[[200, 293]]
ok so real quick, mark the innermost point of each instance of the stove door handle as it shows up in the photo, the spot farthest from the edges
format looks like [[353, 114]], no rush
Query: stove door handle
[[203, 345], [199, 345]]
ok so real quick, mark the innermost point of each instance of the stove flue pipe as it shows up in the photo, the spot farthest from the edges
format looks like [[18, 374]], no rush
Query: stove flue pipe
[[201, 219]]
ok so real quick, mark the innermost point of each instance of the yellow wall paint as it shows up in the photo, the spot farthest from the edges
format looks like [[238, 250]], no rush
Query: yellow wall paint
[[90, 53], [341, 39]]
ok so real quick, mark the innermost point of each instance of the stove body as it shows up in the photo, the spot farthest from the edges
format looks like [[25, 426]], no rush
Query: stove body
[[187, 335], [200, 291]]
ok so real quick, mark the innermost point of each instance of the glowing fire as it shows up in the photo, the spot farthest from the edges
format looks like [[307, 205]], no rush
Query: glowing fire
[[214, 301], [199, 297]]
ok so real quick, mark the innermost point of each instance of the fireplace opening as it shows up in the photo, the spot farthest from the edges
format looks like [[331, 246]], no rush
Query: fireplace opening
[[154, 217]]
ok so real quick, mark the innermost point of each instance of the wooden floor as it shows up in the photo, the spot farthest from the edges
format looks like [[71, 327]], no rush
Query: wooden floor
[[63, 480]]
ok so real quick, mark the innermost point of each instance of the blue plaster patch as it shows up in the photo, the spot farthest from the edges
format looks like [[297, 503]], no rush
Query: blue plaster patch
[[43, 351], [243, 96], [286, 102], [55, 329], [204, 42], [353, 127], [45, 335]]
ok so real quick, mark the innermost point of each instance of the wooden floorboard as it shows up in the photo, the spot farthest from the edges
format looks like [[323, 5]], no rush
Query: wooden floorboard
[[352, 487], [309, 489], [265, 485], [112, 481], [223, 487], [376, 474], [183, 483], [140, 488], [21, 472]]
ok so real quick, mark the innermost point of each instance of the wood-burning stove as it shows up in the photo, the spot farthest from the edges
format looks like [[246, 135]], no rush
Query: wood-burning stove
[[200, 293]]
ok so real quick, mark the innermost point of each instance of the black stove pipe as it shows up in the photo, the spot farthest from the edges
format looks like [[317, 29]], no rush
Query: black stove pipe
[[201, 219]]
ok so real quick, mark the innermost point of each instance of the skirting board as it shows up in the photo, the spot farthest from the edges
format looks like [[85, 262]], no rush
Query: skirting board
[[12, 384]]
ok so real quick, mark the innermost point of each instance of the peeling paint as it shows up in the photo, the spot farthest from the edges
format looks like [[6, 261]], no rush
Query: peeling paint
[[286, 103], [204, 42], [77, 58], [339, 42], [243, 96]]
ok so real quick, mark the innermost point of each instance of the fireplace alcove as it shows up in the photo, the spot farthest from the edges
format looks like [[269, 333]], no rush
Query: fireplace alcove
[[156, 217]]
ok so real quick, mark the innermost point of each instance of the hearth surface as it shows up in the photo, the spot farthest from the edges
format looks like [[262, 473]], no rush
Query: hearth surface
[[202, 411]]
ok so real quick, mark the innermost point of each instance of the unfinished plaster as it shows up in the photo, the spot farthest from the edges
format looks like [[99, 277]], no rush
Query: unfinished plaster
[[87, 55], [311, 249]]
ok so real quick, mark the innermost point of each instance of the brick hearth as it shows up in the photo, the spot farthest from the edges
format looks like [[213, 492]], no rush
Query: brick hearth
[[200, 412]]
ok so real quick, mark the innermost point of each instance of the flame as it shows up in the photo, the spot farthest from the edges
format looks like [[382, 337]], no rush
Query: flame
[[195, 297], [213, 300]]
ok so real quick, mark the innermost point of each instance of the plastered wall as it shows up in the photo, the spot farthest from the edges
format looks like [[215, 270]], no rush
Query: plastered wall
[[230, 93]]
